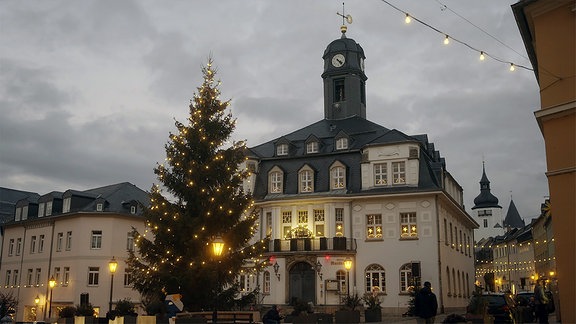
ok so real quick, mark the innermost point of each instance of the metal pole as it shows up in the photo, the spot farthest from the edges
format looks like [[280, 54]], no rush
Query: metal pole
[[348, 283], [111, 290], [50, 304]]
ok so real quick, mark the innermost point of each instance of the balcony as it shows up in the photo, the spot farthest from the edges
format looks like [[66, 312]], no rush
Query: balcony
[[312, 244]]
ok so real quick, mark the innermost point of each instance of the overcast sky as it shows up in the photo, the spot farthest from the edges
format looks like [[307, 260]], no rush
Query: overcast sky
[[89, 90]]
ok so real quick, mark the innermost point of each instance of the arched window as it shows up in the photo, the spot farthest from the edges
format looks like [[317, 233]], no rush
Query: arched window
[[405, 277], [275, 181], [338, 177], [459, 284], [375, 278], [306, 179], [454, 282]]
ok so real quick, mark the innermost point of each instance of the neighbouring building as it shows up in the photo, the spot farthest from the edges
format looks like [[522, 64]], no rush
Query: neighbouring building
[[70, 237], [548, 30], [347, 189]]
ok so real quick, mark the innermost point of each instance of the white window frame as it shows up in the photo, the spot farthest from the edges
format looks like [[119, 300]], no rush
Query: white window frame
[[96, 240], [339, 220], [399, 172], [312, 147], [59, 241], [282, 149], [276, 181], [38, 277], [130, 241], [66, 205], [127, 279], [57, 274], [41, 207], [93, 276], [33, 241], [338, 177], [319, 223], [306, 181], [99, 207], [286, 223], [8, 278], [66, 276], [25, 213], [408, 225], [18, 246], [342, 143], [375, 275], [381, 174], [132, 209], [16, 278], [266, 283], [29, 275], [41, 243], [11, 247], [405, 277], [68, 240], [48, 208], [374, 227], [341, 278]]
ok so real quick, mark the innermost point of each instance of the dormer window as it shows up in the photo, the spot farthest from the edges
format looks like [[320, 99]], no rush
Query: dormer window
[[312, 147], [337, 176], [99, 207], [132, 209], [282, 149], [306, 180], [66, 205], [342, 143], [275, 181]]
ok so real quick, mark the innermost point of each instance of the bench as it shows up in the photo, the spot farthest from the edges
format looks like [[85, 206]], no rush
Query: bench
[[224, 317]]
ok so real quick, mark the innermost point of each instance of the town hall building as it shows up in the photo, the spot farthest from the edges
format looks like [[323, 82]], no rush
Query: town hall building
[[353, 207]]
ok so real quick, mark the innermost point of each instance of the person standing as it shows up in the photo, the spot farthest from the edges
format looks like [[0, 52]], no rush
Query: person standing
[[426, 304], [541, 301], [272, 316]]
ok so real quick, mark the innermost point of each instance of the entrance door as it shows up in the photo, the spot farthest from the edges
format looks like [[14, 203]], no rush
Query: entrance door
[[302, 283]]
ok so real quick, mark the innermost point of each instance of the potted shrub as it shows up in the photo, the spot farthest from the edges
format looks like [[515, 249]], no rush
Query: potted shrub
[[373, 310], [66, 315], [86, 311], [125, 308], [348, 313]]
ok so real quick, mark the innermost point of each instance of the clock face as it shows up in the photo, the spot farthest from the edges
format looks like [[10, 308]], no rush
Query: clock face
[[338, 60]]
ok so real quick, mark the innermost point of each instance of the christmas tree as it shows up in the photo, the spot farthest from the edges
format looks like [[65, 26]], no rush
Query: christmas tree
[[203, 178]]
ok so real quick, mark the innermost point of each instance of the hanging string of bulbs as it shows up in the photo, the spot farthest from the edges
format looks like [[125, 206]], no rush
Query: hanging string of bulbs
[[482, 55]]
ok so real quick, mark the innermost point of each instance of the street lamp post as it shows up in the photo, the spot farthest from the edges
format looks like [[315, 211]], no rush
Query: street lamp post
[[52, 284], [217, 249], [112, 265], [348, 266]]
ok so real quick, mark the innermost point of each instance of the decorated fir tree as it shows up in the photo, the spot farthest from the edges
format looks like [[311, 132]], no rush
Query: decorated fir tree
[[201, 199]]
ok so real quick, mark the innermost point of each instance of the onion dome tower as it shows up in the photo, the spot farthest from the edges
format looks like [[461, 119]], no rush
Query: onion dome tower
[[488, 212]]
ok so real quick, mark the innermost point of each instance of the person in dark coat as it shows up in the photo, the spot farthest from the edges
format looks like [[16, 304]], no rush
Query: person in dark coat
[[541, 301], [426, 304], [272, 316]]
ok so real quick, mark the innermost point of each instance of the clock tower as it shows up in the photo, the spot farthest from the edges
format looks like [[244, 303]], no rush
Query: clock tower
[[344, 79]]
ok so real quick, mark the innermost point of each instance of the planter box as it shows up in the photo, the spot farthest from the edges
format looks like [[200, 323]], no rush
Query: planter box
[[347, 316], [373, 315]]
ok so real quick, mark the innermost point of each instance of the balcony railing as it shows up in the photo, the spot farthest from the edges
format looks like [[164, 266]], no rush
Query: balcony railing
[[312, 244]]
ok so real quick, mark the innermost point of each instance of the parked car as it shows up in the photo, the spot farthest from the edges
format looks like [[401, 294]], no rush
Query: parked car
[[525, 307], [501, 307]]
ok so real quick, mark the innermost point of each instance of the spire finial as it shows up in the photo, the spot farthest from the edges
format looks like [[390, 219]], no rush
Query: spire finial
[[345, 19]]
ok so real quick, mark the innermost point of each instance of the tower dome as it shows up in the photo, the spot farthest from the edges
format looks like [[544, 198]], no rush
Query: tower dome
[[485, 199]]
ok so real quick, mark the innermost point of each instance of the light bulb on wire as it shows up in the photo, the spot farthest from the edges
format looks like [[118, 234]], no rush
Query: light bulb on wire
[[512, 68], [446, 40], [482, 57], [408, 19]]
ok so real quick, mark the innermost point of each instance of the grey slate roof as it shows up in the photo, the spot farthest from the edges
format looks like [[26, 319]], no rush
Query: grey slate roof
[[513, 218], [118, 197], [361, 133], [8, 199]]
